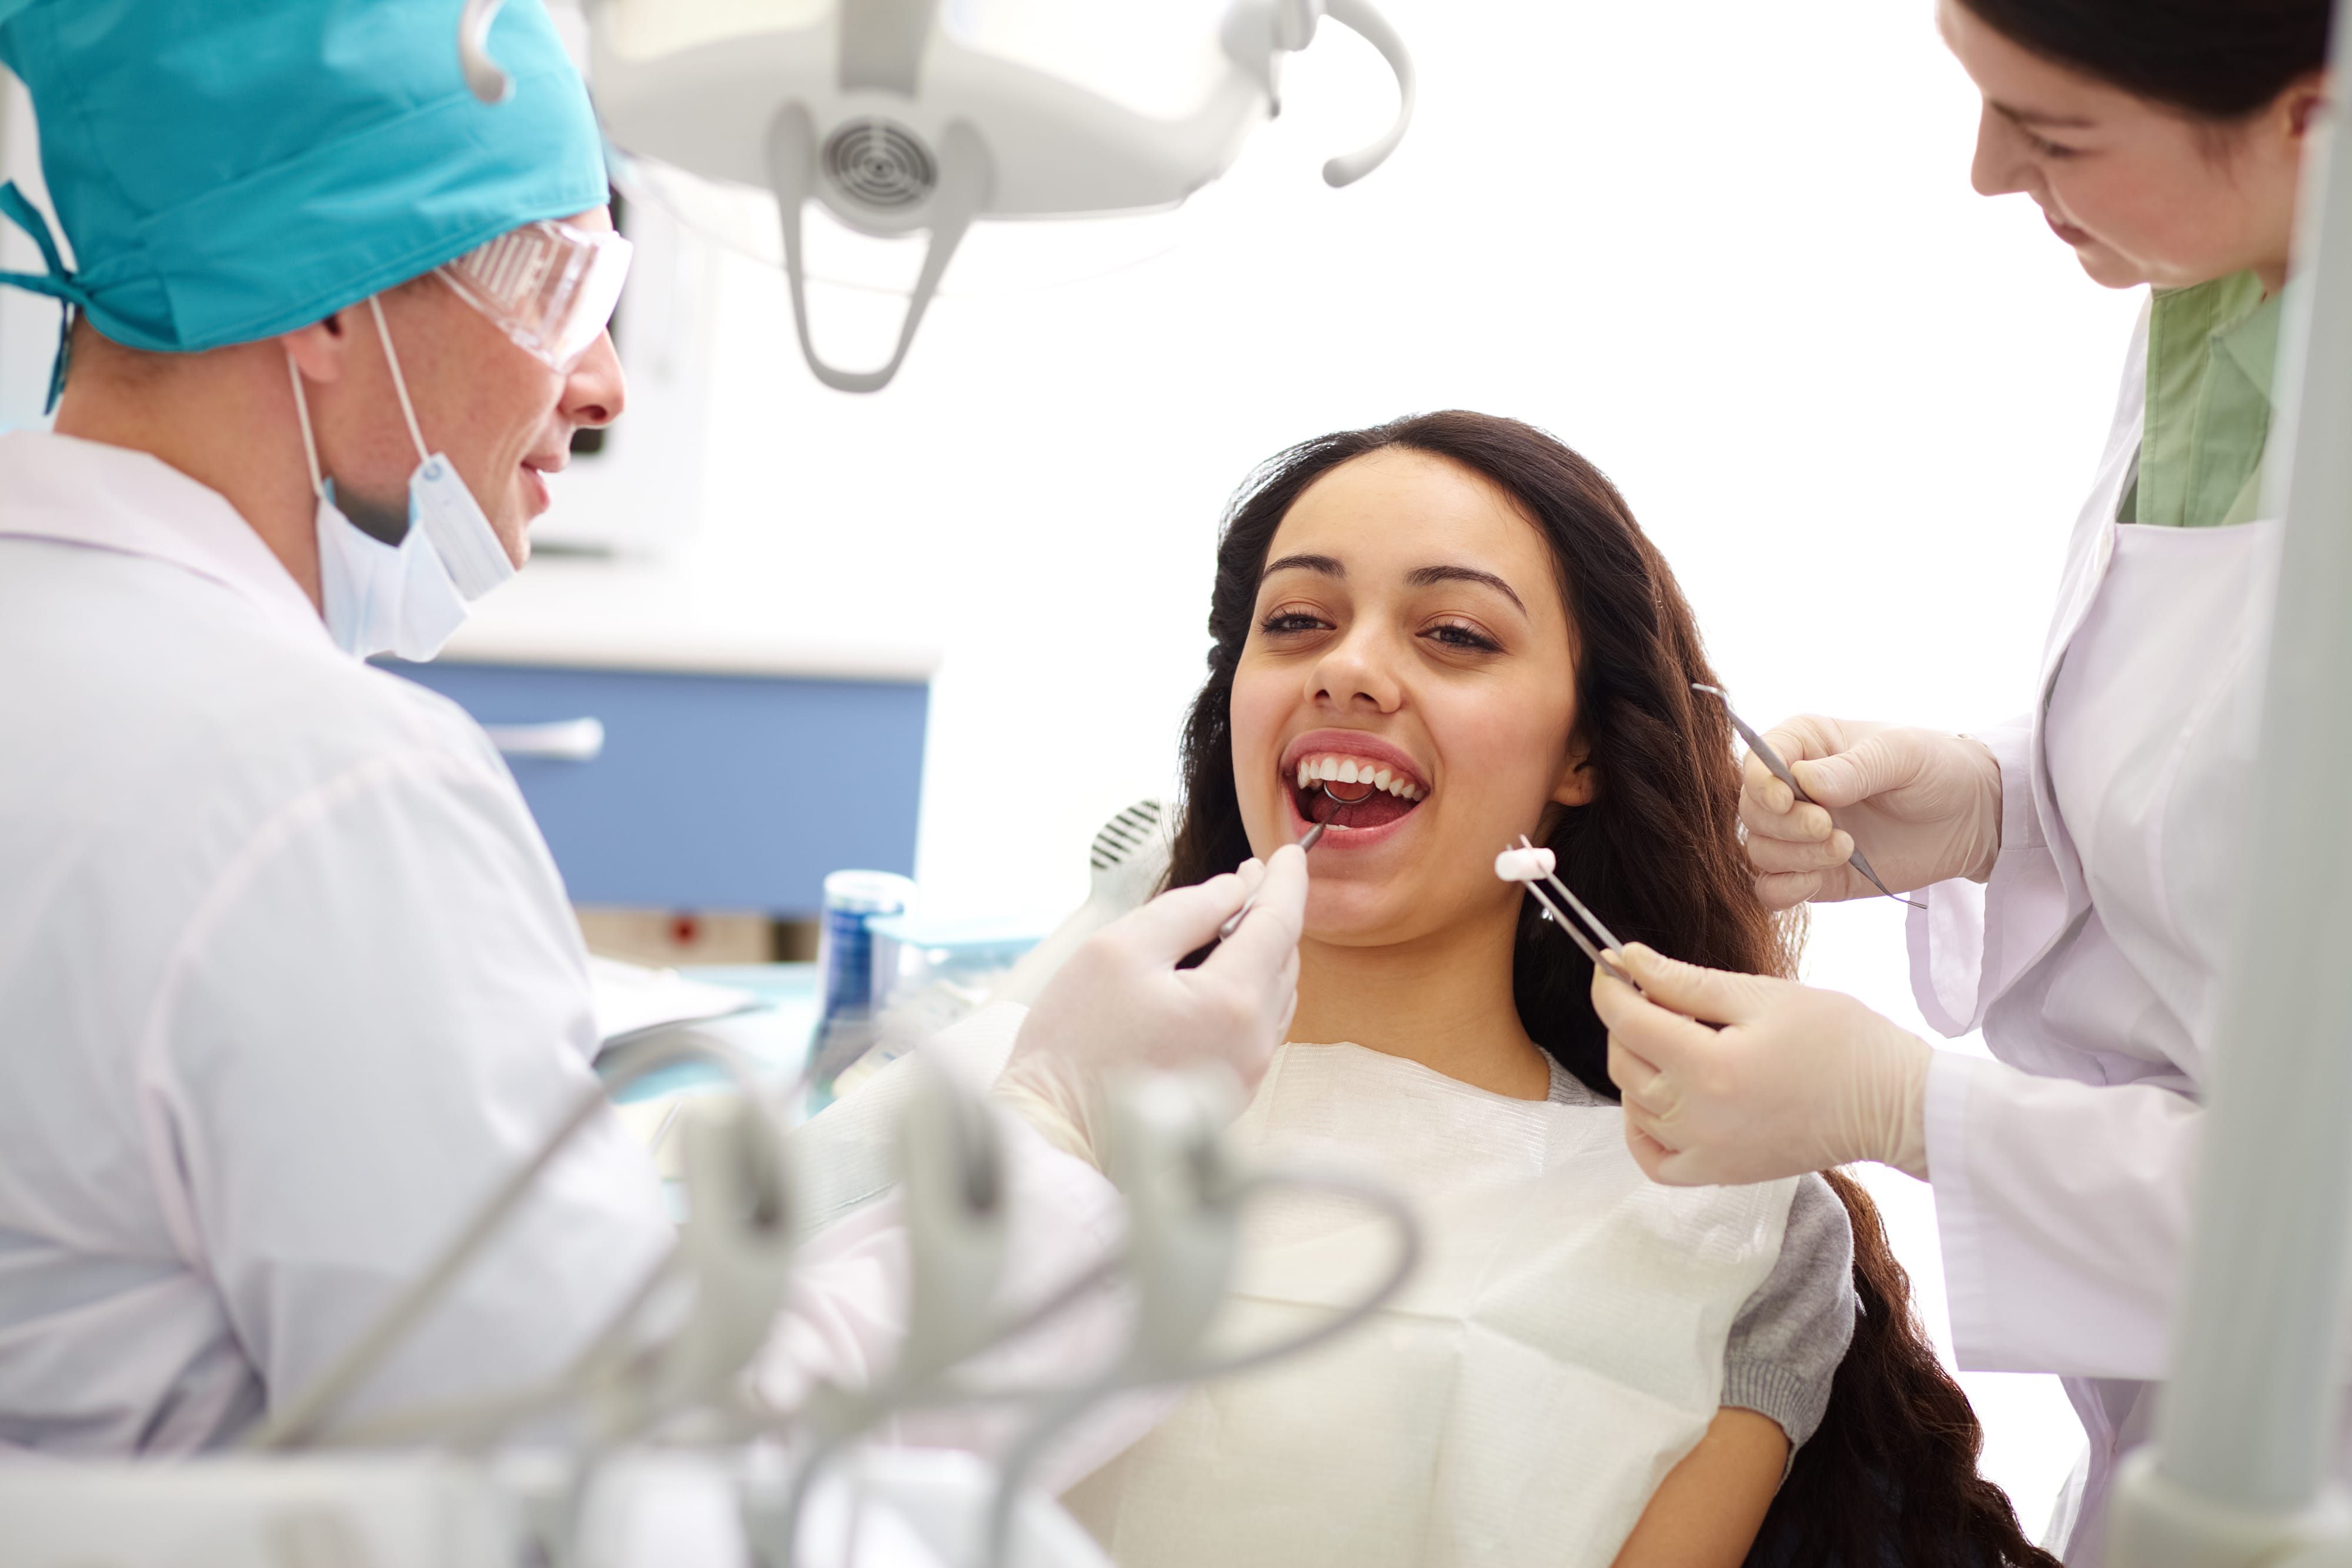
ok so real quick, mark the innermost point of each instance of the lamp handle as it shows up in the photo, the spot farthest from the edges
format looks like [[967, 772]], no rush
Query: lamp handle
[[1360, 17], [484, 76], [964, 179]]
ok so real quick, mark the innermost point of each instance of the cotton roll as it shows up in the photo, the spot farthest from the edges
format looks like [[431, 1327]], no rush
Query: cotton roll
[[1525, 865]]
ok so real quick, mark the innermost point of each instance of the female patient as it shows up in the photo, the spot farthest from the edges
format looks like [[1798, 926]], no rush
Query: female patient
[[1458, 614]]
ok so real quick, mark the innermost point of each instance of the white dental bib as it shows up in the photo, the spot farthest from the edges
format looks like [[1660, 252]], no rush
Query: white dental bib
[[1559, 1350]]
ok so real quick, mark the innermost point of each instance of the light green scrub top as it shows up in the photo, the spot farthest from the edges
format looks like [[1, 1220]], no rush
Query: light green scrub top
[[2210, 350]]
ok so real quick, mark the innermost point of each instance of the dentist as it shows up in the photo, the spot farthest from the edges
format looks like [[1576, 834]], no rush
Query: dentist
[[2076, 863], [288, 980]]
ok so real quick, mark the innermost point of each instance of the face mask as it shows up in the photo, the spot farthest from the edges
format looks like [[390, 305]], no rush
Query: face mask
[[406, 598], [382, 599]]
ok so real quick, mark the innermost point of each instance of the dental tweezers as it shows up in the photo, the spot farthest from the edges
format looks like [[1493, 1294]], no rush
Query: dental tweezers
[[1608, 939]]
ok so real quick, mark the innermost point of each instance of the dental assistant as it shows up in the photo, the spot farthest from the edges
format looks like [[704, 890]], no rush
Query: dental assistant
[[2077, 863], [288, 980]]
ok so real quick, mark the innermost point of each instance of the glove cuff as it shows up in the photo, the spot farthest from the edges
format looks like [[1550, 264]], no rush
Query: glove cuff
[[1048, 1117], [1985, 824], [1904, 1140]]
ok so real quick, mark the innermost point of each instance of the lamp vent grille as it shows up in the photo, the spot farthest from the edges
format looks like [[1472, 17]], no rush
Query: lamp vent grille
[[880, 165]]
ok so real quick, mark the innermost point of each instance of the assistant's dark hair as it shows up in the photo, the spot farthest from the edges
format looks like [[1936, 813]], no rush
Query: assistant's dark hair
[[1657, 855], [2218, 60]]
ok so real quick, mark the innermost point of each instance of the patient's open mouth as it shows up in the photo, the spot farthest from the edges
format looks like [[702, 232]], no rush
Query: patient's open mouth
[[1351, 791]]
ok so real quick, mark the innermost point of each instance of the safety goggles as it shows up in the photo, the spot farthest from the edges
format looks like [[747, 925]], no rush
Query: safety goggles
[[550, 287]]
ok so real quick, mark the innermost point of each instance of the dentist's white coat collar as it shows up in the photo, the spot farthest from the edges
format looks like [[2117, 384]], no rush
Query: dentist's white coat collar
[[76, 492]]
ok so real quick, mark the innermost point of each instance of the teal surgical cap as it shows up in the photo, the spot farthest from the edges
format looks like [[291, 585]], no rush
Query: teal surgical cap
[[228, 170]]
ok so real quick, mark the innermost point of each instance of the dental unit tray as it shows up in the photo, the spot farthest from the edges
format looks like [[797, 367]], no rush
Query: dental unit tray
[[670, 1426]]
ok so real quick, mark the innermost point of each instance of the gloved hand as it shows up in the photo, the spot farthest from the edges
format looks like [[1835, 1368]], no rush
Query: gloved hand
[[1120, 1001], [1926, 806], [1797, 1080]]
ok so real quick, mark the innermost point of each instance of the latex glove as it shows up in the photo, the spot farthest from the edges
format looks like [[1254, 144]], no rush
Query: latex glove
[[1120, 1002], [1797, 1080], [1926, 806]]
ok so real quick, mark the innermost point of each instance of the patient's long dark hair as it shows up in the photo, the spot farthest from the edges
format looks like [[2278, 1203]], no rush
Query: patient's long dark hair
[[1891, 1475]]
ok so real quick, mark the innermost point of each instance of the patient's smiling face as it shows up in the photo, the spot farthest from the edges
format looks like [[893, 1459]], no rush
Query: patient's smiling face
[[1408, 628]]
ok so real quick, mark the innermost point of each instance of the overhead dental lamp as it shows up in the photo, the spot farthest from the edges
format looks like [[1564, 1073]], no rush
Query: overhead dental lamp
[[905, 115]]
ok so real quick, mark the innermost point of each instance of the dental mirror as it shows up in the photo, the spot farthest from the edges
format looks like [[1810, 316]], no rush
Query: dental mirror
[[1307, 840]]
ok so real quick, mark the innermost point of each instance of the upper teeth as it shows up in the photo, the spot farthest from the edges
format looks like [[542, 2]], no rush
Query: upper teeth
[[1341, 769]]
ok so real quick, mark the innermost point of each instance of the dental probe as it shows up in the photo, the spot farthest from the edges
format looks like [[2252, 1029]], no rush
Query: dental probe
[[1780, 770], [1306, 840]]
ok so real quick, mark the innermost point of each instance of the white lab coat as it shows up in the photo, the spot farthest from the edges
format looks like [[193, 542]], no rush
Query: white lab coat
[[287, 984], [2092, 959]]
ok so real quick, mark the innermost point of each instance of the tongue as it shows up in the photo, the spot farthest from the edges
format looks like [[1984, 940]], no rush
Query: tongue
[[1378, 811]]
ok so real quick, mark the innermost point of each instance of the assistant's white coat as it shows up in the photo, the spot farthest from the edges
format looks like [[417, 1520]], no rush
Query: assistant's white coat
[[288, 986], [2092, 959]]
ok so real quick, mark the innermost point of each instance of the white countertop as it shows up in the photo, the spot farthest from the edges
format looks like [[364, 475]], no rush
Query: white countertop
[[630, 615]]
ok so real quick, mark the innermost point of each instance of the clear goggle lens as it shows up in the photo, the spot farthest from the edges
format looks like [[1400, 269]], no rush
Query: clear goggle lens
[[550, 287]]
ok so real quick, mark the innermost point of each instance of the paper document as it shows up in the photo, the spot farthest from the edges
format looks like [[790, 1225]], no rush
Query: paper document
[[629, 998]]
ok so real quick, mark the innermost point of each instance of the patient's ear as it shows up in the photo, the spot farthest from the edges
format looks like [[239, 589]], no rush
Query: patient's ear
[[1579, 781]]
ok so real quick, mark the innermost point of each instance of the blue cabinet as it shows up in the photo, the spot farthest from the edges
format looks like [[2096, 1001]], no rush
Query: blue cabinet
[[711, 792]]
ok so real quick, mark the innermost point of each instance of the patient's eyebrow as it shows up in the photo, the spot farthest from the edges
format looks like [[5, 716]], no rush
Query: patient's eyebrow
[[1328, 566], [1430, 576]]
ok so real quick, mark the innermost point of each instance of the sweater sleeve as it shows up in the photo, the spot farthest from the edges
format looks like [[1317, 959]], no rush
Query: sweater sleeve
[[1788, 1340]]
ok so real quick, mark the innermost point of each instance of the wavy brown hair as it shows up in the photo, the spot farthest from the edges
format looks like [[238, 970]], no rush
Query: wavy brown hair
[[1891, 1475]]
